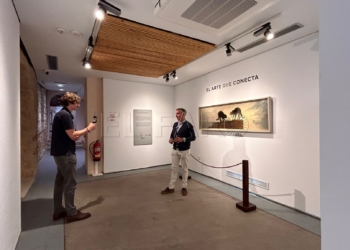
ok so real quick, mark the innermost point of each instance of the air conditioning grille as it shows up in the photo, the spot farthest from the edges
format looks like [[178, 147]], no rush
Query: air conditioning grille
[[217, 13], [52, 62]]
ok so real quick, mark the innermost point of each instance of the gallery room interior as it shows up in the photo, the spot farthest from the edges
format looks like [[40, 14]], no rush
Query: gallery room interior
[[261, 80]]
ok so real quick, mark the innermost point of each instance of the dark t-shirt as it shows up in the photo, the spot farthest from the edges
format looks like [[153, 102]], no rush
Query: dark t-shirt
[[61, 144]]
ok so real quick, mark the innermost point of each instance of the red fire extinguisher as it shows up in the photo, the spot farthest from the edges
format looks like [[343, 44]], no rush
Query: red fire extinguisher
[[96, 152]]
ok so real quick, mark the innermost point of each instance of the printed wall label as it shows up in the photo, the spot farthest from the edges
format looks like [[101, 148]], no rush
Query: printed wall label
[[233, 83]]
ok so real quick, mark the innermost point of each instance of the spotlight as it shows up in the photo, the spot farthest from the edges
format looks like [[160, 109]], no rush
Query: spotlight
[[101, 12], [269, 35], [86, 64], [228, 49], [265, 29], [166, 77], [228, 52], [173, 74]]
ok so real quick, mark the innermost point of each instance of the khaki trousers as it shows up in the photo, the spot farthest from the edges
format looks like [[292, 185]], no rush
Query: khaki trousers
[[177, 157]]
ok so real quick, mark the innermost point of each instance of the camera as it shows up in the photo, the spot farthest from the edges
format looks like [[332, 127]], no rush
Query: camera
[[46, 72]]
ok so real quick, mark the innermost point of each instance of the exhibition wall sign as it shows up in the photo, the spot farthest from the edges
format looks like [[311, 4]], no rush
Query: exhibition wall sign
[[248, 116], [232, 83], [142, 127]]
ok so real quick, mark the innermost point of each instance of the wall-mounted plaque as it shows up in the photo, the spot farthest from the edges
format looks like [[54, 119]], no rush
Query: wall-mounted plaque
[[142, 127]]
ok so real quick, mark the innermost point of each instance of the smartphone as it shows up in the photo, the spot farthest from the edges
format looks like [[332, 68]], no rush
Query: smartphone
[[94, 119]]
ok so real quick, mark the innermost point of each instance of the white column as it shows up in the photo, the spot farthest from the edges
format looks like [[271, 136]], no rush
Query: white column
[[10, 192], [335, 123]]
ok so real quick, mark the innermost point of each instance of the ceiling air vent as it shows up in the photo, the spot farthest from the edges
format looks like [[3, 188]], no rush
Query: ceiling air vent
[[217, 13], [217, 17], [52, 62], [277, 34]]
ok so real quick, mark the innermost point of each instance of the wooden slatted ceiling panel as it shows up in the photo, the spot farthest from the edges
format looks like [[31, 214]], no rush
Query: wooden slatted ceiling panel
[[131, 48]]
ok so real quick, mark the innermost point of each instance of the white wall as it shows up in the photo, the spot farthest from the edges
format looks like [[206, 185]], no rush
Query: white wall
[[81, 113], [334, 121], [123, 97], [10, 193], [93, 105], [49, 95], [289, 157]]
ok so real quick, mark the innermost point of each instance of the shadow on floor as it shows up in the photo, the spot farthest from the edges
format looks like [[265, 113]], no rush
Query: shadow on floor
[[37, 214], [96, 202]]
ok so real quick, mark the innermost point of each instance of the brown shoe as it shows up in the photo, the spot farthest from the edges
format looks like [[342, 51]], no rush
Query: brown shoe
[[184, 191], [59, 215], [188, 178], [167, 191], [78, 216]]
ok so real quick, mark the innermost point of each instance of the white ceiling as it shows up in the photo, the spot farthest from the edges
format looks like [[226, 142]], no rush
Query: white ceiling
[[40, 18]]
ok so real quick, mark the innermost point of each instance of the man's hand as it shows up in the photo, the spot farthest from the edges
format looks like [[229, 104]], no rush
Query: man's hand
[[92, 126], [178, 139], [171, 141]]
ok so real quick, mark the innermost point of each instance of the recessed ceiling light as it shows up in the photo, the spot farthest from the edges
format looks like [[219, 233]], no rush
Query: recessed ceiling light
[[60, 30], [60, 84], [76, 33], [61, 89]]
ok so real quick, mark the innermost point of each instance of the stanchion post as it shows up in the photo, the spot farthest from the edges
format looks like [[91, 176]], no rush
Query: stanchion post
[[245, 205]]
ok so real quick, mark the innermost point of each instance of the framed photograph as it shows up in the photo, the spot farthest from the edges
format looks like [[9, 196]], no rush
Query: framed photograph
[[247, 116]]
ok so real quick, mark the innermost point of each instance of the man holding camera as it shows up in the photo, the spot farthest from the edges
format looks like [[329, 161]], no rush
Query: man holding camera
[[63, 150]]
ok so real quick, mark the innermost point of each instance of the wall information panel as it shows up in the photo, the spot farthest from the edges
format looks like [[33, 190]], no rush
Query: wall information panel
[[142, 127]]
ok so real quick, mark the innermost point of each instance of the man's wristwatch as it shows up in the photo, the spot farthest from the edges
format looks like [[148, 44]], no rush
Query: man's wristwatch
[[88, 130]]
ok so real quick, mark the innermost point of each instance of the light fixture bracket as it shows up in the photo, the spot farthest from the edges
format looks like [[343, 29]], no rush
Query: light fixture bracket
[[262, 29], [110, 8], [229, 49], [166, 77], [173, 74], [91, 42]]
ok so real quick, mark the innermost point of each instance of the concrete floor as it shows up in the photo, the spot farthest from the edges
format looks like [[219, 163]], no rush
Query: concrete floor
[[138, 217]]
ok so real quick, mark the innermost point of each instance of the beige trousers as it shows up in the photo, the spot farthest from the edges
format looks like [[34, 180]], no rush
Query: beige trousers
[[177, 157]]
